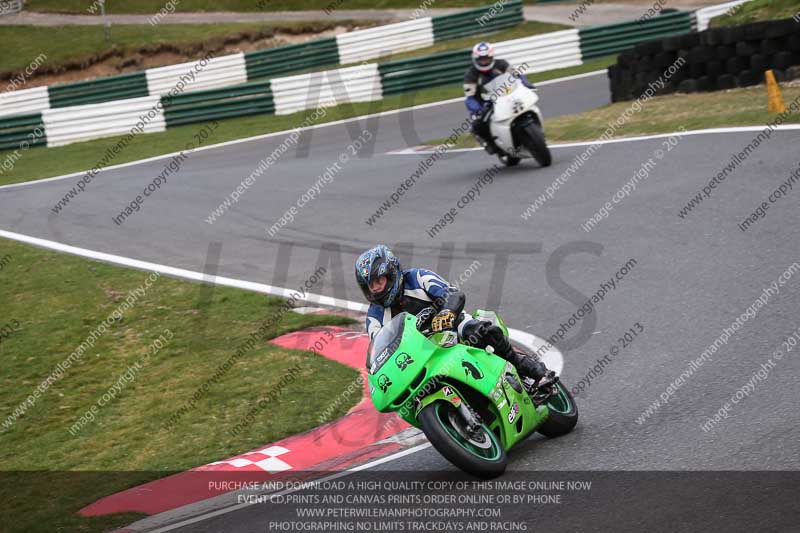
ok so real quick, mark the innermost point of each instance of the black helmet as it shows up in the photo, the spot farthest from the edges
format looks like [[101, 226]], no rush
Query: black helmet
[[374, 263]]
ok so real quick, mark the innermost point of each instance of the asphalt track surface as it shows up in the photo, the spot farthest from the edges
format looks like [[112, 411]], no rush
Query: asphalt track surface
[[692, 277]]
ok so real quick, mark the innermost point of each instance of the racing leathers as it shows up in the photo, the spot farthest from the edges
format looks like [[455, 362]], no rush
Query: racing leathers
[[424, 289], [478, 104]]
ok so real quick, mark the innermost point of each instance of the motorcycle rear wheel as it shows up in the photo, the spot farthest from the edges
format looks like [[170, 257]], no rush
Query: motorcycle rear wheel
[[484, 457]]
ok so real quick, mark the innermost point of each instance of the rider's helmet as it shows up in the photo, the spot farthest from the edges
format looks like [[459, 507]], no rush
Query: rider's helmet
[[376, 262], [483, 56]]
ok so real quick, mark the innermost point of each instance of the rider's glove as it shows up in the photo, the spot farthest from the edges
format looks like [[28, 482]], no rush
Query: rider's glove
[[444, 320]]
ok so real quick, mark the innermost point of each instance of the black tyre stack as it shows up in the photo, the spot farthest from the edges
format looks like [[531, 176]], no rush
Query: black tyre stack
[[715, 59]]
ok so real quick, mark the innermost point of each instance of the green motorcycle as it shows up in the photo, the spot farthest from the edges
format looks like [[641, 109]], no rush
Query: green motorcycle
[[472, 405]]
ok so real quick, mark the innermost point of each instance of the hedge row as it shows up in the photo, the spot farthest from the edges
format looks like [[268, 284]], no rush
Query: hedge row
[[715, 59]]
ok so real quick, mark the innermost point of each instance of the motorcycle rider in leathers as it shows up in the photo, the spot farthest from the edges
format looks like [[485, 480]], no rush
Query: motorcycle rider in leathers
[[392, 290], [483, 70]]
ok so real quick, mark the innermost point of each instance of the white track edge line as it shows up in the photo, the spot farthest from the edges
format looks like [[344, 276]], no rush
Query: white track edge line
[[186, 274], [733, 129], [570, 78], [523, 337]]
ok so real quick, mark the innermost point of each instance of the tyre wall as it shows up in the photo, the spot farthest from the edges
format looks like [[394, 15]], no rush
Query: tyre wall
[[715, 59]]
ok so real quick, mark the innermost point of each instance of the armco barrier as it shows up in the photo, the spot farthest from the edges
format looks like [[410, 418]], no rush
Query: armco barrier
[[541, 52], [361, 83], [598, 41], [22, 131], [206, 74], [24, 101], [360, 45], [120, 87], [422, 72], [550, 51], [253, 98], [80, 123], [292, 58], [715, 59]]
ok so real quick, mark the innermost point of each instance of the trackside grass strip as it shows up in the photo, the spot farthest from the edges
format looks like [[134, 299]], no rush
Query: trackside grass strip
[[152, 6], [665, 114], [757, 10], [85, 45], [53, 302]]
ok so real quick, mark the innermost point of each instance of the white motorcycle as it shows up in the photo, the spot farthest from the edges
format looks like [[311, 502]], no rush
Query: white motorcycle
[[515, 121]]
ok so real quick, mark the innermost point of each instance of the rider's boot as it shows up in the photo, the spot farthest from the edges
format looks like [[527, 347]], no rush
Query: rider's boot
[[481, 132], [527, 365], [490, 147]]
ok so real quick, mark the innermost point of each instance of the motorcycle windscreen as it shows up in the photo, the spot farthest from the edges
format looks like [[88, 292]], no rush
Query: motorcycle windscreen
[[385, 343], [511, 97], [499, 87]]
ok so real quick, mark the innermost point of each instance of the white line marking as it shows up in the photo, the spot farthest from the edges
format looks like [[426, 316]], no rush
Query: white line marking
[[389, 458], [738, 129], [186, 274], [274, 134], [573, 77], [424, 150], [552, 358]]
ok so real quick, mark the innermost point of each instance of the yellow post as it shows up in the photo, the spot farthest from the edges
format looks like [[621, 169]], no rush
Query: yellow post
[[776, 104]]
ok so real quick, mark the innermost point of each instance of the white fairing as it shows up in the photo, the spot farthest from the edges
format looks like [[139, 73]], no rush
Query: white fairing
[[511, 99]]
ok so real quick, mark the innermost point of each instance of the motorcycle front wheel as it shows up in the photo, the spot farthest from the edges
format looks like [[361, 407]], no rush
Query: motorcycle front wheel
[[508, 160], [481, 455], [533, 140], [563, 413]]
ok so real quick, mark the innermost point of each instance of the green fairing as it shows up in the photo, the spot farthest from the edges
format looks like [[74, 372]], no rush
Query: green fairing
[[470, 373]]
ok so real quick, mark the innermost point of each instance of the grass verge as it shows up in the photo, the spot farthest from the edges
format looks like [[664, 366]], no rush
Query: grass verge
[[38, 163], [665, 114], [152, 6], [53, 302], [132, 47], [756, 10], [84, 45]]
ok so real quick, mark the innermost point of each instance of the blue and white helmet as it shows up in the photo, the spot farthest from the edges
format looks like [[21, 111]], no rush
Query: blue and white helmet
[[483, 56], [374, 263]]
